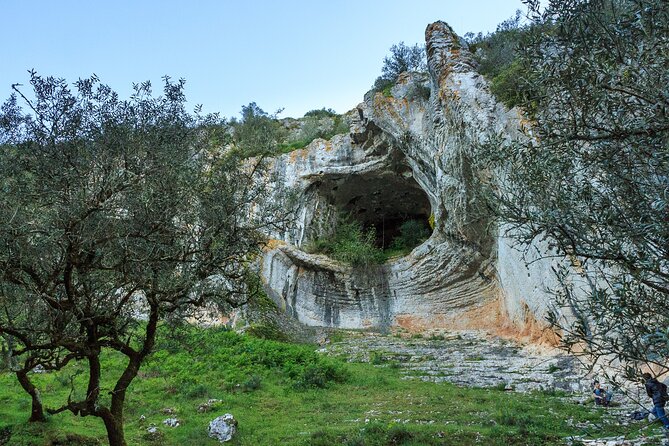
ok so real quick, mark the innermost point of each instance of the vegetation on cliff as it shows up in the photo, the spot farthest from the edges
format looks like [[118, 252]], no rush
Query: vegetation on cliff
[[402, 58], [351, 243]]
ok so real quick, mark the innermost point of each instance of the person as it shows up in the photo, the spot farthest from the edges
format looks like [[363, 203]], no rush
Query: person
[[602, 396], [658, 392]]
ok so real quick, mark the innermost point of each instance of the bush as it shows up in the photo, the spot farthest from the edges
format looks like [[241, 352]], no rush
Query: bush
[[321, 113], [350, 244], [319, 375], [267, 330], [383, 85], [252, 383], [197, 391], [258, 132], [419, 91], [355, 246], [412, 234], [499, 61], [317, 124], [511, 85]]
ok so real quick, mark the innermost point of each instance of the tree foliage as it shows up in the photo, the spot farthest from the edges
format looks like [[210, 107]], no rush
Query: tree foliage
[[117, 215], [592, 178], [498, 56], [402, 58], [258, 132]]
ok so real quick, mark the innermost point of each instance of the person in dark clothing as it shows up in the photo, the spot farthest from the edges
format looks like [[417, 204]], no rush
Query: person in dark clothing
[[601, 394], [658, 392]]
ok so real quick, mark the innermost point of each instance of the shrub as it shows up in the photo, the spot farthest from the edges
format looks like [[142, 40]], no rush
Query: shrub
[[376, 358], [355, 246], [321, 113], [412, 234], [197, 391], [319, 375], [258, 132], [267, 330], [511, 85], [499, 61], [252, 383], [419, 91], [398, 435], [383, 85], [316, 124], [350, 244]]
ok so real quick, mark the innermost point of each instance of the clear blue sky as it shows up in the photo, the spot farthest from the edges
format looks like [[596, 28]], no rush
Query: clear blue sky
[[295, 54]]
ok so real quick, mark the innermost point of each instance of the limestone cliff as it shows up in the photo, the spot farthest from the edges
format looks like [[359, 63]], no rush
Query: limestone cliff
[[406, 154]]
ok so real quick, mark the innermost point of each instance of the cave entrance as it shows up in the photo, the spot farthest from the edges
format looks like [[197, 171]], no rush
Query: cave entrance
[[392, 204]]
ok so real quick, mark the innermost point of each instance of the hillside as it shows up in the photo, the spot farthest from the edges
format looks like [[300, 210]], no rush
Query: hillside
[[286, 394]]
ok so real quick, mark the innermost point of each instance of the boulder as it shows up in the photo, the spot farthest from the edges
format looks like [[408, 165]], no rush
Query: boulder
[[172, 422], [223, 428]]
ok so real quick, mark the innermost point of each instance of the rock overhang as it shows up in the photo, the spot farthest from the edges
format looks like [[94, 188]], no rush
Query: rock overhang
[[405, 155]]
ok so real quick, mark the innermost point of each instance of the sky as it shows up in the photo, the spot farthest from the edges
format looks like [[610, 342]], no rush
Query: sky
[[295, 55]]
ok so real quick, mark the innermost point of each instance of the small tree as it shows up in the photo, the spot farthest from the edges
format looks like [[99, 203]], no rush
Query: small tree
[[115, 211], [592, 179], [258, 132], [402, 58]]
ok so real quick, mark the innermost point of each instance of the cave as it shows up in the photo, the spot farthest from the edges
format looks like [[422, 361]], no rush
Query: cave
[[380, 200]]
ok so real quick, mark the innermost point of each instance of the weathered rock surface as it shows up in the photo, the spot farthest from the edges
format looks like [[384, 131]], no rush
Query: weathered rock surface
[[406, 156], [223, 428], [467, 358]]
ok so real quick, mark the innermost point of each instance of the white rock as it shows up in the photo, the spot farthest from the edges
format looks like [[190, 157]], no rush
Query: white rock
[[172, 422], [223, 428]]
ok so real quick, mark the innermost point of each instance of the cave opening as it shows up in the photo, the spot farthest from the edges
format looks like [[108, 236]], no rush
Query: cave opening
[[392, 204]]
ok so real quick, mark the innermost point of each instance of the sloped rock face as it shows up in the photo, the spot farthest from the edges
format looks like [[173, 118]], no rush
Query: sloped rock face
[[407, 154]]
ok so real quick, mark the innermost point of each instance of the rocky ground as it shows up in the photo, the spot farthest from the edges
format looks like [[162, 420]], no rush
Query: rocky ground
[[475, 359]]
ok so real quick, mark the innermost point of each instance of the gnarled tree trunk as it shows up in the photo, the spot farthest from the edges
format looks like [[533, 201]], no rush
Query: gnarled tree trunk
[[37, 409]]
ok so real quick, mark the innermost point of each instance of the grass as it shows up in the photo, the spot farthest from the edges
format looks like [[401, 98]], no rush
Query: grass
[[286, 394]]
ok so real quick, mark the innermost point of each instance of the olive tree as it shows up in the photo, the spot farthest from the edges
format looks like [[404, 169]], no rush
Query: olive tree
[[591, 177], [117, 215]]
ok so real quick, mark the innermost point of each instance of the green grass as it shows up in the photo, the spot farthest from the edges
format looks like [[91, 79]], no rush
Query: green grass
[[287, 394]]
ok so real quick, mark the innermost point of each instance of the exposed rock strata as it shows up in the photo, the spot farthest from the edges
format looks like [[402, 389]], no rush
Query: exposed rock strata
[[404, 154]]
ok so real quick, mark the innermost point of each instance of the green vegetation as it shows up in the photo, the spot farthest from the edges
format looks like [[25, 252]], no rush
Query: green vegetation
[[111, 208], [258, 132], [324, 124], [499, 61], [412, 234], [350, 244], [288, 394], [402, 58], [321, 113]]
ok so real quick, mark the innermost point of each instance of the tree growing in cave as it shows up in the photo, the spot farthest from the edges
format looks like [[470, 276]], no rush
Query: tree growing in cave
[[592, 178], [117, 215]]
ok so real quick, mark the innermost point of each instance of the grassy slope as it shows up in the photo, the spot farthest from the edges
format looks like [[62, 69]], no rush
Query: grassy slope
[[288, 408]]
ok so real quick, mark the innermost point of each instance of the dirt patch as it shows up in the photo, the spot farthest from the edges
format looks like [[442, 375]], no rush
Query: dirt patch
[[490, 318]]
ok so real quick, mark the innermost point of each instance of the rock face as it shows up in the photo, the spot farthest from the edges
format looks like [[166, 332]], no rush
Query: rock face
[[407, 156], [466, 358]]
